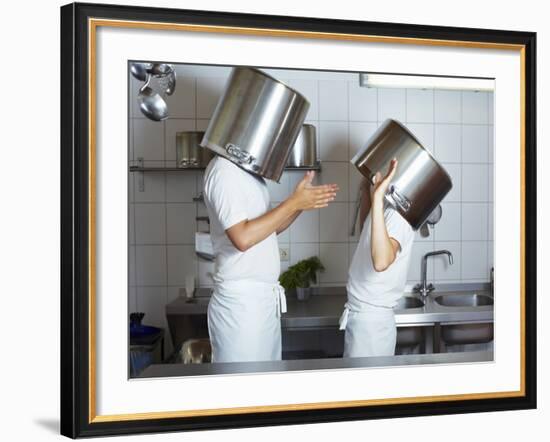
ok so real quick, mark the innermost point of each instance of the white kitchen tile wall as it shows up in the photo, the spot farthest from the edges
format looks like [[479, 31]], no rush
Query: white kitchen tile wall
[[150, 220], [306, 227], [392, 103], [447, 107], [457, 127], [363, 102], [420, 106], [149, 140], [335, 258], [333, 139], [475, 144], [334, 223], [475, 108], [333, 100], [150, 265], [447, 143], [475, 182]]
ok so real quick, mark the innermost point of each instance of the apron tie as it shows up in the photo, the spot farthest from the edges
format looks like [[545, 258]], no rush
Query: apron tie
[[344, 318], [281, 299]]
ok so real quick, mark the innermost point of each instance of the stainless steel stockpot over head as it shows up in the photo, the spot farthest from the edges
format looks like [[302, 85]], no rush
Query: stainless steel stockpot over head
[[256, 122], [420, 183]]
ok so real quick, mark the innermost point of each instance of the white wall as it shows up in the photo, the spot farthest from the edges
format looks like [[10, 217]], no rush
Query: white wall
[[456, 126]]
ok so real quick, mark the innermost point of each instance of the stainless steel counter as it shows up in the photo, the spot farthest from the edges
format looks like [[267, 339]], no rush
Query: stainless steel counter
[[167, 370], [324, 307]]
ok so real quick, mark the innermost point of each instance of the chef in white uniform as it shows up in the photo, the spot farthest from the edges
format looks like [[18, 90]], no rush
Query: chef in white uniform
[[246, 304], [377, 274]]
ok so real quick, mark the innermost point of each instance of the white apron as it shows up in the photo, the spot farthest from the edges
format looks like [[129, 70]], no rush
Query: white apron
[[369, 330], [244, 321]]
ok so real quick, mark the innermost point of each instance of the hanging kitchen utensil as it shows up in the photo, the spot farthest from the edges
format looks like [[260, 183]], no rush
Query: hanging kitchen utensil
[[139, 70], [171, 83], [160, 69], [151, 103], [431, 221], [166, 79], [420, 182], [256, 122]]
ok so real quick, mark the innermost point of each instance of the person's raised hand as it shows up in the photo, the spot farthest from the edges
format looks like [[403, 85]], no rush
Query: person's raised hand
[[380, 185], [306, 196]]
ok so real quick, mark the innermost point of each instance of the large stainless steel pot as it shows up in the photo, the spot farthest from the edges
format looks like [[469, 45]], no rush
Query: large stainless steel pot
[[420, 183], [304, 152], [189, 153], [256, 122]]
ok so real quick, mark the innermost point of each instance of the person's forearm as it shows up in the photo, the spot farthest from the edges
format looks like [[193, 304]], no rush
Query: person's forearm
[[288, 222], [249, 233], [382, 251], [364, 208]]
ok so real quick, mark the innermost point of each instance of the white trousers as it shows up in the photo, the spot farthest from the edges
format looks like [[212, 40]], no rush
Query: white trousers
[[370, 331], [244, 322]]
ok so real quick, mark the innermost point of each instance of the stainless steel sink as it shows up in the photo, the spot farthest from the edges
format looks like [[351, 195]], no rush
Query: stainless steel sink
[[460, 334], [409, 336], [467, 333], [406, 302], [466, 300]]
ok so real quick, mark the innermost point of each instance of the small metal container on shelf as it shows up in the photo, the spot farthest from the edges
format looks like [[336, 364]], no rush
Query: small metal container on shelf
[[304, 153], [189, 153]]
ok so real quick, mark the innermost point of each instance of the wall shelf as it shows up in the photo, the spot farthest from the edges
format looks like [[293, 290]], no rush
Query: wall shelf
[[141, 168], [182, 169]]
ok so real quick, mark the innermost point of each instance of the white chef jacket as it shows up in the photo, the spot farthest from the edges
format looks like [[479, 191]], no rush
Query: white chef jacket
[[368, 316], [244, 310]]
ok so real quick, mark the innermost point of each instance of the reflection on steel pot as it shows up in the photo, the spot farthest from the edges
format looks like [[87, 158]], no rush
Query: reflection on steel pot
[[189, 153], [420, 183], [256, 122], [304, 152]]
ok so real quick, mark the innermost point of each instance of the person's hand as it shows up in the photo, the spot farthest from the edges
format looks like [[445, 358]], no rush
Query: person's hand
[[307, 197], [380, 186]]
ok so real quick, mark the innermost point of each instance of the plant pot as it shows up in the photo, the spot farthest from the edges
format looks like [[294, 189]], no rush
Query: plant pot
[[303, 293]]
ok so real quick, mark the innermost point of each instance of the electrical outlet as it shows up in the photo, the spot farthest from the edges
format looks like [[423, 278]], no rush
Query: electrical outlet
[[284, 253]]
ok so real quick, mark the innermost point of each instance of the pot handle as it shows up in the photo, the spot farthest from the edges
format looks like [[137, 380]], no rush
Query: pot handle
[[402, 202], [242, 156]]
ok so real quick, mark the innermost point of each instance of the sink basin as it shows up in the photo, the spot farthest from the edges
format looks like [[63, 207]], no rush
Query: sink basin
[[409, 336], [467, 333], [466, 300], [406, 302]]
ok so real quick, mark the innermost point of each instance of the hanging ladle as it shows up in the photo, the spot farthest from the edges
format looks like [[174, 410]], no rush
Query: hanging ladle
[[139, 70], [151, 103]]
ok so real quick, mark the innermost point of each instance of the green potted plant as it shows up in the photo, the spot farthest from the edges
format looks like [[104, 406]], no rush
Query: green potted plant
[[300, 276]]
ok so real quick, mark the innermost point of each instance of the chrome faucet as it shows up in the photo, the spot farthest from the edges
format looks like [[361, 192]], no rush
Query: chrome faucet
[[423, 288]]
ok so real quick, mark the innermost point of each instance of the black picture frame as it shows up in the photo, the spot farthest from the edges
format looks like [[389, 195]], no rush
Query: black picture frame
[[77, 417]]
